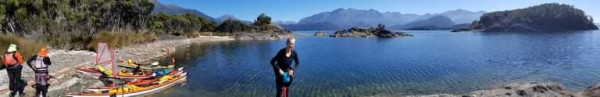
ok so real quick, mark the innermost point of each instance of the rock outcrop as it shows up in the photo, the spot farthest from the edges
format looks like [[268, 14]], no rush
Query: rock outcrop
[[320, 34], [592, 91], [527, 89], [531, 89]]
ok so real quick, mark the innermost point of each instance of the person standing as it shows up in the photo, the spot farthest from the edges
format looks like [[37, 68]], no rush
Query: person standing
[[39, 63], [12, 60], [282, 67]]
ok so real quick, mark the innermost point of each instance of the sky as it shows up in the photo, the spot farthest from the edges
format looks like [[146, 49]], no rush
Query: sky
[[294, 10]]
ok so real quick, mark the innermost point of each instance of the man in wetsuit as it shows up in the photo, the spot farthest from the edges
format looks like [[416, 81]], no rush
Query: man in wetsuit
[[282, 65]]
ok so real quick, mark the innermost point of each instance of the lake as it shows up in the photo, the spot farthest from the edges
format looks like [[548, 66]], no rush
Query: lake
[[431, 62]]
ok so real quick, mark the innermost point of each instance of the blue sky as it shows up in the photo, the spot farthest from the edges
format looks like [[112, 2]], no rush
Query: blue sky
[[294, 10]]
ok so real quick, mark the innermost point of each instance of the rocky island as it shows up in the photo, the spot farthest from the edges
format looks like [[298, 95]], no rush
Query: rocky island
[[550, 17], [320, 34], [380, 31]]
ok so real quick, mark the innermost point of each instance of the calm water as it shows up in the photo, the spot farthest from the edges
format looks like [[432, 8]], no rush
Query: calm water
[[430, 62]]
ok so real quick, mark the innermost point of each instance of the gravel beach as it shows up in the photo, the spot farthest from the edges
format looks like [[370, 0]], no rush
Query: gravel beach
[[64, 62]]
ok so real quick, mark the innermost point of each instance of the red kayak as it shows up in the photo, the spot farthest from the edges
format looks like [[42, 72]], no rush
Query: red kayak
[[96, 72], [139, 82]]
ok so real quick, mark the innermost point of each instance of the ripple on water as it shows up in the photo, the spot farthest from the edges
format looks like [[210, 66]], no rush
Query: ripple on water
[[434, 62]]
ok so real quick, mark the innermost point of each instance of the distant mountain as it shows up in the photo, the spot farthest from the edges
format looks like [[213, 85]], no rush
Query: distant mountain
[[460, 16], [310, 27], [221, 19], [347, 18], [434, 23], [174, 9], [550, 17]]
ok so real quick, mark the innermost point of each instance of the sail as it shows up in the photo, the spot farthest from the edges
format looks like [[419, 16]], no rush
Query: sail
[[106, 58]]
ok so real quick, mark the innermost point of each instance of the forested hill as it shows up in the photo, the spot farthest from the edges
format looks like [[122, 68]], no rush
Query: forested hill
[[551, 17], [174, 9], [78, 24], [64, 16]]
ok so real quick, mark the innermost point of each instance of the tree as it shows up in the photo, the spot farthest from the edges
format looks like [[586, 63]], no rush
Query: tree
[[262, 20], [232, 25]]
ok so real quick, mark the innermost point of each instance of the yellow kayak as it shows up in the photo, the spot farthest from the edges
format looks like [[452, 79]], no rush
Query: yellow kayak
[[153, 66], [132, 90]]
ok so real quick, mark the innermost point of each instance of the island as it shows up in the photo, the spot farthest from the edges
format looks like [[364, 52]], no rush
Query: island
[[320, 34], [380, 31], [549, 17]]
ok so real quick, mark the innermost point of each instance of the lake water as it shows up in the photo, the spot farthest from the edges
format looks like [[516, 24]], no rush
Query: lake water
[[431, 62]]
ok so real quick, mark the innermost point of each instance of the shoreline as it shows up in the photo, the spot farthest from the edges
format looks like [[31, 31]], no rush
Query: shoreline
[[64, 62], [68, 80]]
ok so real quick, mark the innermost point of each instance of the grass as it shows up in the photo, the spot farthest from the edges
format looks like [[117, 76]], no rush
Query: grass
[[120, 39], [213, 34], [70, 41], [25, 46]]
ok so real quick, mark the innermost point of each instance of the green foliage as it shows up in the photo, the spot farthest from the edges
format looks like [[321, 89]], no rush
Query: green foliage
[[73, 24], [180, 24], [552, 16], [262, 20], [232, 25], [25, 47]]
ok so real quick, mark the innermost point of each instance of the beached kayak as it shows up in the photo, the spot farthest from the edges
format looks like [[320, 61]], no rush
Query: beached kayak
[[132, 90], [139, 82], [96, 72], [146, 67]]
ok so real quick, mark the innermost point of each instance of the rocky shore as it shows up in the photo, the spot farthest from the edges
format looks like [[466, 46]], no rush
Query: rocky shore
[[527, 89], [66, 79], [261, 36]]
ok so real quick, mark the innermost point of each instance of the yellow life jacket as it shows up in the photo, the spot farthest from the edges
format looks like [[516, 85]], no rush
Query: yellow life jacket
[[105, 71]]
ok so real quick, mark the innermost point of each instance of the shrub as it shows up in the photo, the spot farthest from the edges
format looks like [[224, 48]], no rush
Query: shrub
[[26, 47], [120, 39]]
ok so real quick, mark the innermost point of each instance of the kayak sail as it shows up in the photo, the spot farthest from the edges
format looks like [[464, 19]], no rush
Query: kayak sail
[[106, 59]]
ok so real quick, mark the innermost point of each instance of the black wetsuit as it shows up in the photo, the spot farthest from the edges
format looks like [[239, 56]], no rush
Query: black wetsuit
[[280, 61]]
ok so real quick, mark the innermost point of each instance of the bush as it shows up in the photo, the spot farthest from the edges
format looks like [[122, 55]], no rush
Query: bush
[[70, 41], [26, 47], [120, 39]]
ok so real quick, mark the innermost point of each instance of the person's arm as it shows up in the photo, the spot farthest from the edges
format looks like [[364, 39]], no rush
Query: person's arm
[[2, 63], [47, 61], [296, 61], [274, 61], [30, 60]]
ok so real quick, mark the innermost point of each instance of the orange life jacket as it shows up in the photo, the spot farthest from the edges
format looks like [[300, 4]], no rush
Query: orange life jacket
[[9, 59]]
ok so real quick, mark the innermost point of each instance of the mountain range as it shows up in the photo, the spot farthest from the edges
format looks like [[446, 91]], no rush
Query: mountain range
[[174, 9], [435, 23], [347, 18]]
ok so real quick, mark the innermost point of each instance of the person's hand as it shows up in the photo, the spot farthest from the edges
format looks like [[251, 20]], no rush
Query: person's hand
[[291, 73], [280, 71]]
